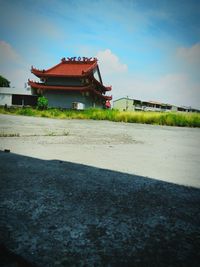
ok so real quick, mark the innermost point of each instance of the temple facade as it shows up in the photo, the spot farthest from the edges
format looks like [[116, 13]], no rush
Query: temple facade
[[73, 81]]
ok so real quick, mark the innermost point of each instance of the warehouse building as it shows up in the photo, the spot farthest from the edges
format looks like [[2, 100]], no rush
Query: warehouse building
[[129, 104]]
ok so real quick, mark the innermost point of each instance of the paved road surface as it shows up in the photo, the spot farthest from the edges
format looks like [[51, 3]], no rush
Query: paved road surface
[[166, 153], [58, 208]]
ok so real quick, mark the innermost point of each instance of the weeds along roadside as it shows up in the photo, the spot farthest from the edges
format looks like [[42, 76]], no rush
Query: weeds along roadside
[[182, 119]]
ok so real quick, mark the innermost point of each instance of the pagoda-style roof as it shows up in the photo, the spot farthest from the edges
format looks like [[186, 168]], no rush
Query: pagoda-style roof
[[80, 68], [100, 85], [88, 88], [70, 67]]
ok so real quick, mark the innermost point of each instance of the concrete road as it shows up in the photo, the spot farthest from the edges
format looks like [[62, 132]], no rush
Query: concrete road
[[57, 209], [165, 153]]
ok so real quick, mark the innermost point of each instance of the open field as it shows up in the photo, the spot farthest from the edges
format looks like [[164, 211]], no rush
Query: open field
[[98, 193], [157, 118]]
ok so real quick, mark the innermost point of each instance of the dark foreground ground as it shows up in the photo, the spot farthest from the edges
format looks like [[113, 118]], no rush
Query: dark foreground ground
[[56, 213]]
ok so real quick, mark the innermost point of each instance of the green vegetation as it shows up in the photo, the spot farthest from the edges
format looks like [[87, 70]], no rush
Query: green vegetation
[[4, 82], [64, 133], [9, 134], [42, 103], [159, 118]]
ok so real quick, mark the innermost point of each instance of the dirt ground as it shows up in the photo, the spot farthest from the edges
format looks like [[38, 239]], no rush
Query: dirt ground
[[97, 193]]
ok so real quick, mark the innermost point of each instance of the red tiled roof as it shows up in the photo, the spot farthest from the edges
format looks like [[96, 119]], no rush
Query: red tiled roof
[[68, 68], [72, 67], [104, 88], [37, 85], [88, 88]]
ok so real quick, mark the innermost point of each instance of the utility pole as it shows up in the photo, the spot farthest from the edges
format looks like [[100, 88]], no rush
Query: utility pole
[[127, 103]]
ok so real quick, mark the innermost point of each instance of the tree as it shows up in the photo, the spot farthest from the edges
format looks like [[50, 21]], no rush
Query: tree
[[4, 82], [42, 103]]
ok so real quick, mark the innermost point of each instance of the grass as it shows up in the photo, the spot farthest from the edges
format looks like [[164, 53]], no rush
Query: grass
[[159, 118], [64, 133], [9, 135]]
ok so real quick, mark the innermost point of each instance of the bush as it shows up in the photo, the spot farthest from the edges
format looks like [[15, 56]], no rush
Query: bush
[[42, 103], [25, 112]]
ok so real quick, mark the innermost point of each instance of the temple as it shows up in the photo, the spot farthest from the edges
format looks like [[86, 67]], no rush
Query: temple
[[73, 80]]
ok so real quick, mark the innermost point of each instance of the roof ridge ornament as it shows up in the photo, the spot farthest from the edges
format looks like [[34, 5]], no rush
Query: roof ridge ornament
[[79, 59]]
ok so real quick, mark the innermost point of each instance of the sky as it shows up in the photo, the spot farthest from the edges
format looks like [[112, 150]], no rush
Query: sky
[[146, 49]]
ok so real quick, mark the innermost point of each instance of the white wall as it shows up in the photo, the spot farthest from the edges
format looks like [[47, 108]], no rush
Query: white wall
[[5, 99], [16, 91]]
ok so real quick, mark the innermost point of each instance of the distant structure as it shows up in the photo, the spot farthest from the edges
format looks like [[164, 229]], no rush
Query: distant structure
[[73, 83], [129, 104], [17, 97]]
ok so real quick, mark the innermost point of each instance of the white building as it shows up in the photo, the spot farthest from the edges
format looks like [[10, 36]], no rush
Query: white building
[[17, 96]]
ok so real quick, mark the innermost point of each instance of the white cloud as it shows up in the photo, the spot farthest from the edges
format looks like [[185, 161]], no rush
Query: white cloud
[[110, 63], [12, 65], [176, 89], [190, 54], [7, 53], [179, 89]]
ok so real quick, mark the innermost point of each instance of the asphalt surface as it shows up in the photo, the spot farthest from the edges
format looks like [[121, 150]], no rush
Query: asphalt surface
[[79, 193]]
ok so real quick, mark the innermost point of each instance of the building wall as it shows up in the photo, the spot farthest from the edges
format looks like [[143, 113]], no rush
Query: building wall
[[97, 75], [24, 100], [5, 99], [13, 90], [63, 81], [174, 108], [123, 104], [65, 99], [17, 96]]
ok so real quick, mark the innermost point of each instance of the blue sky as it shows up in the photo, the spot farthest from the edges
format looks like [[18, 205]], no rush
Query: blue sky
[[147, 49]]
